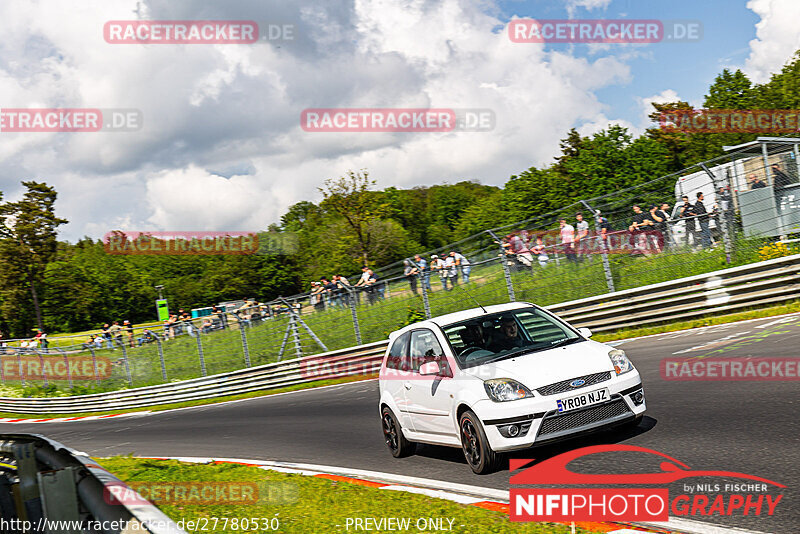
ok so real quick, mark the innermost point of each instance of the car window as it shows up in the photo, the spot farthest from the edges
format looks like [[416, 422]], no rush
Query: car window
[[424, 348], [491, 337], [397, 353]]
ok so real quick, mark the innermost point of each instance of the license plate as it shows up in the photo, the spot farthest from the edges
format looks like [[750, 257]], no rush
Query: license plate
[[584, 399]]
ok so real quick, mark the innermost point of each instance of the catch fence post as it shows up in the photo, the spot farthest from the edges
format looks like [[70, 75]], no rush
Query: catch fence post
[[245, 347], [506, 271], [201, 355], [161, 356]]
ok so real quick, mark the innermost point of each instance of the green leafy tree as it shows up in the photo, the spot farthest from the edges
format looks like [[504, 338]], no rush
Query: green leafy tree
[[27, 245]]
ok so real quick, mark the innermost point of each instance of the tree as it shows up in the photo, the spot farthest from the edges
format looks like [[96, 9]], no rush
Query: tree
[[27, 244], [350, 197]]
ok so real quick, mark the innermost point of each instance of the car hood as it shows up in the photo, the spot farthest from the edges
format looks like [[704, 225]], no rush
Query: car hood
[[537, 369]]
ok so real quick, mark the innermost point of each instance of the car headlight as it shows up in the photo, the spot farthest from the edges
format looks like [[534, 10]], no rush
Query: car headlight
[[505, 389], [620, 362]]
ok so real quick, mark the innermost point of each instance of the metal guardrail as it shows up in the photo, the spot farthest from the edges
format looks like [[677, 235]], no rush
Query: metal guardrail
[[757, 284], [361, 360], [47, 487], [768, 282]]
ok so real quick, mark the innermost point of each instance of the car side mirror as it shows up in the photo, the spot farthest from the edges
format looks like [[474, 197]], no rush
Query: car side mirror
[[429, 368], [585, 332]]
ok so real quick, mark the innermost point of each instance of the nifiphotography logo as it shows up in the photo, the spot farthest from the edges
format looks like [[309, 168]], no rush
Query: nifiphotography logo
[[633, 497]]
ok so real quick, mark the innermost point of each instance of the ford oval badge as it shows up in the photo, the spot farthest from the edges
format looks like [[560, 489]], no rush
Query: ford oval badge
[[577, 383]]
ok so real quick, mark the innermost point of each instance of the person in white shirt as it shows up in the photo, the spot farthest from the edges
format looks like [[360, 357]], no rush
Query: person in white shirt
[[438, 265], [581, 235], [568, 240], [462, 264]]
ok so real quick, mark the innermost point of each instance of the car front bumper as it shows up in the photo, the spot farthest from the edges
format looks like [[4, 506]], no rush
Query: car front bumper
[[537, 420]]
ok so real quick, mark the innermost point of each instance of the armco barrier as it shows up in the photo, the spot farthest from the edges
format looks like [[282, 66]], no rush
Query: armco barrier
[[50, 484], [757, 284]]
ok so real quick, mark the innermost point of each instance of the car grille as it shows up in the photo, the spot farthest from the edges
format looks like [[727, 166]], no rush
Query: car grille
[[560, 423], [563, 386]]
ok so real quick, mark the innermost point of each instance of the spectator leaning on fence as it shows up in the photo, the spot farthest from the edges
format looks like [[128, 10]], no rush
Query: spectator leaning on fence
[[437, 265], [540, 252], [424, 272], [410, 272], [452, 271], [462, 263]]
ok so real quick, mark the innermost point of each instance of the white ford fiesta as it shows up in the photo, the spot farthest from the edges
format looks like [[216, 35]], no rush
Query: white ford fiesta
[[501, 378]]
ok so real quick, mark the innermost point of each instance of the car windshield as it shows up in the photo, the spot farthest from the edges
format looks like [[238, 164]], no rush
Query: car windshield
[[498, 336]]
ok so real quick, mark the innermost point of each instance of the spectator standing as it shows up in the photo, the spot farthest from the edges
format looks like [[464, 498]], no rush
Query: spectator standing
[[663, 225], [451, 269], [780, 180], [688, 215], [116, 332], [411, 273], [342, 289], [129, 331], [362, 282], [317, 294], [581, 236], [106, 336], [640, 222], [424, 272], [567, 233], [462, 264], [659, 228], [702, 219], [437, 265], [331, 292]]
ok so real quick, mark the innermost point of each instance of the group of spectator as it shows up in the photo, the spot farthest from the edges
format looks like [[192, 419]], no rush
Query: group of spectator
[[112, 336], [449, 267], [38, 343]]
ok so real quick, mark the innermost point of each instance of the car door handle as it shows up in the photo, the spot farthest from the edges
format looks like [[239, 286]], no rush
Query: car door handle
[[407, 385]]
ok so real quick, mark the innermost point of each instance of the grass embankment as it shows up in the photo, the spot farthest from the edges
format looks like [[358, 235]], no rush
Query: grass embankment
[[223, 350], [302, 504]]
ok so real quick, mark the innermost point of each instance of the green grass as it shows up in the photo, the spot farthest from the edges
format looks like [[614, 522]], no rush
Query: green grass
[[304, 504], [223, 350]]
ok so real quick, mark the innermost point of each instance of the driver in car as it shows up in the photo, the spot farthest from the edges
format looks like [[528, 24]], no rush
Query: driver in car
[[509, 337]]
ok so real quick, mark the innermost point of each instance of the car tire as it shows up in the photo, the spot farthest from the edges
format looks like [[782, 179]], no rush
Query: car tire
[[398, 445], [477, 451], [633, 423]]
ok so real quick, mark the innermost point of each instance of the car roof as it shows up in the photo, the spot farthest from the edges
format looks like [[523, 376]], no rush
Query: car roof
[[450, 318]]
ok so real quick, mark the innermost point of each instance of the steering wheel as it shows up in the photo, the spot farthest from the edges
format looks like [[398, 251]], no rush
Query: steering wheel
[[469, 350]]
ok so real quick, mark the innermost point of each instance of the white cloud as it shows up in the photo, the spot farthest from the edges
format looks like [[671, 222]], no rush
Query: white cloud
[[777, 37], [226, 108], [573, 5]]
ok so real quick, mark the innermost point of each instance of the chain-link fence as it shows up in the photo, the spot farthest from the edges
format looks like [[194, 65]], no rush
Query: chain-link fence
[[749, 211]]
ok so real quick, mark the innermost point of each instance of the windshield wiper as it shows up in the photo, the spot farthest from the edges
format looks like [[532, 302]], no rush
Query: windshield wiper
[[565, 341]]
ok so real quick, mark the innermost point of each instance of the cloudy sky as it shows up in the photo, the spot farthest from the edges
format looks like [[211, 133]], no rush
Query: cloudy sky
[[221, 147]]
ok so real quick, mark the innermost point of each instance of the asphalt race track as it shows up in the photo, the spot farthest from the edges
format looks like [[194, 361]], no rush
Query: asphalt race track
[[748, 427]]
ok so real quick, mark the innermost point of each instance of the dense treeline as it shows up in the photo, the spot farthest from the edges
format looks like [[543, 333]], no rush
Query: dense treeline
[[67, 287]]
